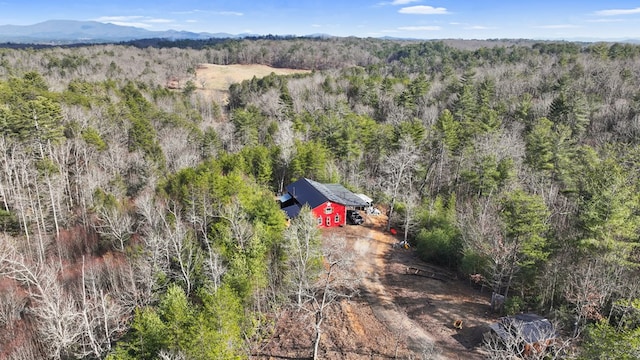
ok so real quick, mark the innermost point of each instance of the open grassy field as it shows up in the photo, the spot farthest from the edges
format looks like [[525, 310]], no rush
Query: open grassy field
[[215, 79]]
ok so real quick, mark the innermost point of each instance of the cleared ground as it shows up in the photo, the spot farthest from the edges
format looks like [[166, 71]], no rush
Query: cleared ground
[[398, 315], [214, 80]]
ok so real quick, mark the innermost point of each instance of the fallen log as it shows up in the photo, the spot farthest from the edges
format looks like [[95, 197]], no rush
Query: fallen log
[[427, 268], [411, 270]]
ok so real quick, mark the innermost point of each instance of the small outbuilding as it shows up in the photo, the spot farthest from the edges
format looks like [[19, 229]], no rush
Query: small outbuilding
[[529, 332], [328, 202]]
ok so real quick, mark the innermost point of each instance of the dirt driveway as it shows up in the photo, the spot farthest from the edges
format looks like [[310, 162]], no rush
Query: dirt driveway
[[401, 313], [419, 300]]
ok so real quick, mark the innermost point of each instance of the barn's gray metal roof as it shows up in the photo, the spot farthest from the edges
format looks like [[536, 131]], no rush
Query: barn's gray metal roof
[[346, 197], [307, 191]]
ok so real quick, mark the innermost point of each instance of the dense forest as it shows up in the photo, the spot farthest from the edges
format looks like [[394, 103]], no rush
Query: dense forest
[[140, 223]]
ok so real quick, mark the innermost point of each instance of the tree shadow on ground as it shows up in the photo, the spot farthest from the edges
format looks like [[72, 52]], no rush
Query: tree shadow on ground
[[471, 337]]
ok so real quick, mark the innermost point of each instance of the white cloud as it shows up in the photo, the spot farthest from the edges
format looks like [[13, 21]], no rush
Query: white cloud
[[229, 13], [423, 10], [188, 12], [118, 18], [326, 26], [192, 21], [134, 24], [159, 21], [558, 26], [403, 2], [616, 12], [198, 11], [605, 20], [479, 27], [133, 20], [397, 2], [420, 28]]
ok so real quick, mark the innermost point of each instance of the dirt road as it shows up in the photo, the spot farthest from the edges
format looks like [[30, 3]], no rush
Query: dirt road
[[397, 316], [371, 250], [421, 309]]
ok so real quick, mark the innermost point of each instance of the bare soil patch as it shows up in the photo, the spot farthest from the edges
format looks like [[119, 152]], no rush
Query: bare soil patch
[[436, 304], [398, 315]]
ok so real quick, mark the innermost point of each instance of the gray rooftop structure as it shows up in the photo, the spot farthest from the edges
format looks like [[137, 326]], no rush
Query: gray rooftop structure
[[531, 328], [306, 191]]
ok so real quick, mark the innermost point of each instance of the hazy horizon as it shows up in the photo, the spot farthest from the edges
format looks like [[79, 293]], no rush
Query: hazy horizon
[[417, 19]]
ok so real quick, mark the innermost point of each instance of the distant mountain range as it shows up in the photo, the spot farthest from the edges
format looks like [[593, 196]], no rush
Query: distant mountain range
[[65, 32], [70, 31]]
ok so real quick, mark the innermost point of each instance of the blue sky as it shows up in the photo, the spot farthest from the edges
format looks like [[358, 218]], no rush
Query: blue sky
[[424, 19]]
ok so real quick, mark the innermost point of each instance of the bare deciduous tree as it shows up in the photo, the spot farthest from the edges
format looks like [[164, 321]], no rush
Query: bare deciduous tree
[[156, 255], [337, 281], [11, 305], [182, 250], [517, 343], [409, 222], [241, 230], [171, 355], [179, 148], [284, 138], [59, 322], [116, 224], [303, 246], [103, 319], [589, 286], [481, 233], [200, 215], [398, 167]]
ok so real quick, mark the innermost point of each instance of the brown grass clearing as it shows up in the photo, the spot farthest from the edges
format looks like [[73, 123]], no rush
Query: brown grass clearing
[[214, 80]]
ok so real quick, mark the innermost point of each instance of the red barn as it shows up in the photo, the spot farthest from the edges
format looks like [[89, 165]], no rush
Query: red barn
[[328, 202]]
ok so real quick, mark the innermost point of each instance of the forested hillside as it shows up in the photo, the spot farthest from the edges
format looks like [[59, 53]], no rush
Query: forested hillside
[[139, 222]]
